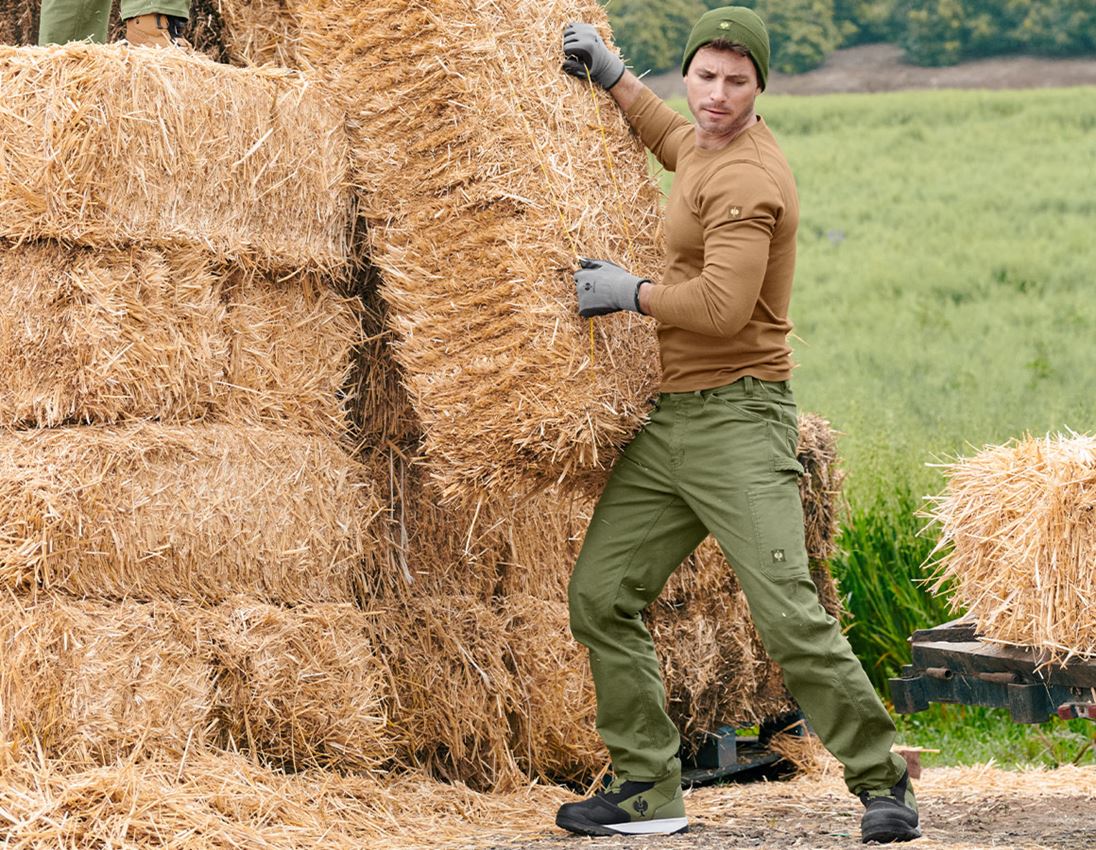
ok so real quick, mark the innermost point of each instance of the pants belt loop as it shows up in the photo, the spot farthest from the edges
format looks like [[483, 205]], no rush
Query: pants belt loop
[[751, 385]]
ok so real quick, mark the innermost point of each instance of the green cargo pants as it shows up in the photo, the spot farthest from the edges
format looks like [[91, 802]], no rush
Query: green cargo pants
[[718, 461], [63, 21]]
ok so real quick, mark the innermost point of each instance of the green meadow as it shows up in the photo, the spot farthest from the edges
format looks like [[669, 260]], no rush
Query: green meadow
[[944, 300]]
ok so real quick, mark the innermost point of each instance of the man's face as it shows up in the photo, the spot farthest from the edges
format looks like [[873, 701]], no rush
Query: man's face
[[721, 87]]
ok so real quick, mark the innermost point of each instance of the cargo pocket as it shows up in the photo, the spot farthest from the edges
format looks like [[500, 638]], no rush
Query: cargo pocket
[[784, 441], [777, 516]]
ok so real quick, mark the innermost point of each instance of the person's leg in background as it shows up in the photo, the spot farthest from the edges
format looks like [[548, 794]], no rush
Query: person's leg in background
[[151, 23]]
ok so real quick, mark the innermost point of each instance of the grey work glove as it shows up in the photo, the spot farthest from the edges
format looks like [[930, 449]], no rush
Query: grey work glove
[[605, 287], [583, 48]]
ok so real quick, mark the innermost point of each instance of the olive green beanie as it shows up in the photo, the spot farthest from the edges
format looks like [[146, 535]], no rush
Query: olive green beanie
[[733, 24]]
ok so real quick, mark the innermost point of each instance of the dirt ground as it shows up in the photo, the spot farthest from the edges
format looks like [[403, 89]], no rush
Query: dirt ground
[[961, 809], [880, 68]]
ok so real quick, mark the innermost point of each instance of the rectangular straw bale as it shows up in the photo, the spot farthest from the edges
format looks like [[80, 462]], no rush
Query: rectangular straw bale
[[484, 173], [453, 689], [431, 549], [91, 682], [188, 512], [555, 736], [98, 336], [111, 145], [1017, 546], [292, 344], [257, 32], [303, 687]]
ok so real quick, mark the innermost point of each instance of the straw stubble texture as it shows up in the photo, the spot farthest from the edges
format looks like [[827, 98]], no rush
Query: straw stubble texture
[[199, 512], [1018, 543], [484, 174], [112, 145]]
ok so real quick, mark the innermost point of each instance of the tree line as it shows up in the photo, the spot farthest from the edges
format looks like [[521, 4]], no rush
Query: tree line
[[804, 32]]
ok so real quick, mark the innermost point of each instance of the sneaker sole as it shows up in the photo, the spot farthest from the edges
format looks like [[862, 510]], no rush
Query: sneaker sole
[[663, 826], [892, 833]]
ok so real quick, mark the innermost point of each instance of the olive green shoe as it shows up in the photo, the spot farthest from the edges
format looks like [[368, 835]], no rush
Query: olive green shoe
[[890, 814], [628, 808]]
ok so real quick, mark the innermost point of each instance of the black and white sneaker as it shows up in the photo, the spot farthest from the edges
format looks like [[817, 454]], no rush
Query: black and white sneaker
[[890, 814], [628, 808]]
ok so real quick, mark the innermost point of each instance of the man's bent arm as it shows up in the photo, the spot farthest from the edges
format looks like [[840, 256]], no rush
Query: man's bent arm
[[661, 128]]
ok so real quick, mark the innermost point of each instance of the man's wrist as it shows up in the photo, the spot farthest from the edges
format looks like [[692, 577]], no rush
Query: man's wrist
[[643, 296]]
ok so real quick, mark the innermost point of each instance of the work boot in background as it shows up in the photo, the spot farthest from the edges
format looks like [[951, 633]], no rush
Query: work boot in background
[[890, 814], [156, 30]]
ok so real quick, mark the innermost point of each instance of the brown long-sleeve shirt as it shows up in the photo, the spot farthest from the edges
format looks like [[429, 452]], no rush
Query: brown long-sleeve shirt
[[731, 219]]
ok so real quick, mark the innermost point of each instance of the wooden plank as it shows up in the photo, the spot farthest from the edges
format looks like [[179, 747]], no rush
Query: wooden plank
[[974, 657]]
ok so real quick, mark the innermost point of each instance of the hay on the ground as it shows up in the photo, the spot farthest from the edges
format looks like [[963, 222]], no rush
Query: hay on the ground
[[89, 682], [112, 145], [198, 512], [292, 342], [98, 336], [224, 800], [1018, 543], [302, 687], [476, 216]]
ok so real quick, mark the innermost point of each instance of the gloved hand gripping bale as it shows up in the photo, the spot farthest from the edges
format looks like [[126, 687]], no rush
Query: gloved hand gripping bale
[[603, 287], [585, 51], [717, 454]]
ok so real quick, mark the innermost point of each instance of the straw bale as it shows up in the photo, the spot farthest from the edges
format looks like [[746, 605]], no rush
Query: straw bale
[[555, 733], [453, 688], [292, 345], [19, 21], [91, 682], [1017, 543], [98, 336], [475, 217], [256, 32], [430, 549], [112, 145], [543, 539], [381, 409], [819, 486], [303, 687], [199, 512]]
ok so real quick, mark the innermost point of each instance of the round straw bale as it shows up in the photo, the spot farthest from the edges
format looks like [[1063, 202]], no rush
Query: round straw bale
[[92, 682], [475, 220], [99, 336], [1017, 543], [189, 512], [292, 342], [302, 687], [113, 145], [555, 736], [453, 688]]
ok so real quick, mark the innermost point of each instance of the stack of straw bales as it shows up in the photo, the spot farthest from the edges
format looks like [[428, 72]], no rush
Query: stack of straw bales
[[1018, 543], [185, 530]]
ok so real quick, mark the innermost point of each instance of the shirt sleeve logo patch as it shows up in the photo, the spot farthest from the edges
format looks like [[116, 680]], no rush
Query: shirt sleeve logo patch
[[735, 211]]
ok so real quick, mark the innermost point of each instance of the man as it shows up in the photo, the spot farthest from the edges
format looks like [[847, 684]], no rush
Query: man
[[717, 454], [149, 23]]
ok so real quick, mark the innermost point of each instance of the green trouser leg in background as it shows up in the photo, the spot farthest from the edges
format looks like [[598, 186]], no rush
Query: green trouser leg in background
[[62, 21], [718, 461]]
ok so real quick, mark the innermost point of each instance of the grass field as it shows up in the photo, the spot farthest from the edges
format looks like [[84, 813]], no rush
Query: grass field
[[943, 301]]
